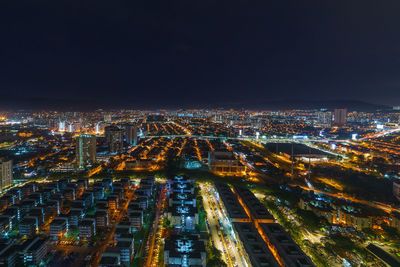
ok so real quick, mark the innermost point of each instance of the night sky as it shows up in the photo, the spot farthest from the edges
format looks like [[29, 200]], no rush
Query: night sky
[[206, 51]]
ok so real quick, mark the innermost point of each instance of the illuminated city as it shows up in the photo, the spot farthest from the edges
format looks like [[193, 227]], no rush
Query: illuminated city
[[199, 133], [189, 187]]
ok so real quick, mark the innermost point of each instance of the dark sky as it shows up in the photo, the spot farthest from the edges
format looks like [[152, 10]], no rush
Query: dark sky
[[199, 51]]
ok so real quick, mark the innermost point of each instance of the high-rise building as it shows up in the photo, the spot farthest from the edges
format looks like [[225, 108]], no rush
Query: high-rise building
[[85, 150], [396, 190], [114, 139], [340, 117], [324, 118], [107, 118], [184, 250], [131, 134], [5, 173], [225, 162], [61, 126]]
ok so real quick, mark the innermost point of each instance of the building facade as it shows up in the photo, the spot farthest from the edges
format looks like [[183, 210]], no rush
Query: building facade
[[114, 138], [85, 150], [5, 173], [340, 117]]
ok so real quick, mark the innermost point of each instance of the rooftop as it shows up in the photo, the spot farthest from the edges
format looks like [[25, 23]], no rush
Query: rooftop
[[256, 208], [288, 250], [231, 203], [257, 250]]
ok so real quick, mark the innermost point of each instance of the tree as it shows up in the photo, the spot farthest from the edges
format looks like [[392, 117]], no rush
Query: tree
[[214, 257], [166, 222]]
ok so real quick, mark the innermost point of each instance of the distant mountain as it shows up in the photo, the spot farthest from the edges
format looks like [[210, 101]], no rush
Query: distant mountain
[[63, 104], [350, 105]]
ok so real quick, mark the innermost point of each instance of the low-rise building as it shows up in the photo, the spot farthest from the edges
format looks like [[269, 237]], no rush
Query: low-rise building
[[98, 192], [136, 219], [225, 163], [287, 252], [58, 227], [143, 202], [184, 250], [182, 187], [75, 216], [39, 213], [126, 182], [8, 222], [87, 229], [232, 207], [4, 225], [341, 212], [53, 207], [88, 199], [113, 203], [254, 208], [26, 205], [126, 248], [255, 249], [69, 193], [27, 227], [395, 220], [182, 198], [101, 219], [8, 255], [183, 216], [139, 164], [32, 251], [109, 261]]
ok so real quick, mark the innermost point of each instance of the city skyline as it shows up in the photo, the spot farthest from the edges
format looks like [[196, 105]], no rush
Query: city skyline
[[204, 187]]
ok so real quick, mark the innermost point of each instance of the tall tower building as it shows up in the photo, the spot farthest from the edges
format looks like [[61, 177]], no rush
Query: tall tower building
[[114, 138], [396, 190], [85, 150], [340, 117], [107, 118], [61, 126], [5, 173], [324, 118], [131, 134]]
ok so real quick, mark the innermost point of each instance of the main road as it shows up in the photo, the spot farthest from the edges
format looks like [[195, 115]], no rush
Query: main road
[[152, 237], [217, 222]]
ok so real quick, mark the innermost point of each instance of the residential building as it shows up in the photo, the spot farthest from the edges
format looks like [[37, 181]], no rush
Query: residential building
[[8, 255], [255, 249], [183, 216], [85, 150], [286, 251], [32, 251], [28, 227], [225, 163], [131, 134], [58, 227], [257, 212], [184, 250], [233, 208], [87, 229]]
